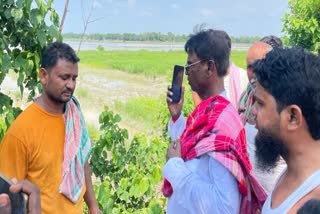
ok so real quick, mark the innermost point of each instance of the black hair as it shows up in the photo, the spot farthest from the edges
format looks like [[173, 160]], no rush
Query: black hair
[[55, 51], [211, 45], [273, 41], [312, 206], [292, 77]]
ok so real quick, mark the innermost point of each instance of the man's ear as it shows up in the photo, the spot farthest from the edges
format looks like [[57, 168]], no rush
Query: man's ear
[[43, 73], [212, 68], [293, 117]]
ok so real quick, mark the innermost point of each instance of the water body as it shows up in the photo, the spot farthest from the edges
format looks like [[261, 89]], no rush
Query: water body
[[138, 46]]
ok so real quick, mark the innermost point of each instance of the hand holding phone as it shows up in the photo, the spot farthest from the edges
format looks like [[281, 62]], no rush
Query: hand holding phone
[[177, 83], [18, 200]]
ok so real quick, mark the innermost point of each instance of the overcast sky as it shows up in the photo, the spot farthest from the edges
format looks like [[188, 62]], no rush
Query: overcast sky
[[236, 17]]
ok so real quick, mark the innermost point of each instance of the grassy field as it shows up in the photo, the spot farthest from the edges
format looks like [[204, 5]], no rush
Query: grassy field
[[141, 96], [150, 63]]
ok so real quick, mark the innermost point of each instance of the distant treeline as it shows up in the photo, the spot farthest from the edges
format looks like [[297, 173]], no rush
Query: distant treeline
[[148, 36]]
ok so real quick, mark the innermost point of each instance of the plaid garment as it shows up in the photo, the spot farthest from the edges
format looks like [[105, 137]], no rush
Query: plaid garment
[[214, 127], [245, 104], [77, 148]]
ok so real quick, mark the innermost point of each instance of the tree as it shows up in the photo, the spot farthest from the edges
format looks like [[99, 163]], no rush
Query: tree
[[64, 15], [23, 36], [302, 23], [86, 20]]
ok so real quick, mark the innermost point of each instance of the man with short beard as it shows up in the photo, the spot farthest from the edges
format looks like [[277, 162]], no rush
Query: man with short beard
[[48, 144], [287, 115]]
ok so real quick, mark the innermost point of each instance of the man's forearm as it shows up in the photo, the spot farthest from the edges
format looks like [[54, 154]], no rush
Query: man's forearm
[[89, 196]]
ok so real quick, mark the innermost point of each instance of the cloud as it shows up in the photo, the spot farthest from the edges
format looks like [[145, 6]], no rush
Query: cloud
[[115, 12], [206, 12], [97, 4], [147, 12], [131, 3], [174, 6]]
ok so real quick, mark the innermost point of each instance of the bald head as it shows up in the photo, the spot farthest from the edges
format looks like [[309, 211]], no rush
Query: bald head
[[257, 51]]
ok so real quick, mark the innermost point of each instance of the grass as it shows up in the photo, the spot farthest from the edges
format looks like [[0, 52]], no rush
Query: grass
[[140, 112], [239, 58], [149, 63]]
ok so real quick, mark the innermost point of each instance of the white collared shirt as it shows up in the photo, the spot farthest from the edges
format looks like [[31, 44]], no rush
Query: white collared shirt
[[200, 185]]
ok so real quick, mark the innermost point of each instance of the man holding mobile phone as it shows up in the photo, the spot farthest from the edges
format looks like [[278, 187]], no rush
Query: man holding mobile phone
[[207, 169], [34, 202]]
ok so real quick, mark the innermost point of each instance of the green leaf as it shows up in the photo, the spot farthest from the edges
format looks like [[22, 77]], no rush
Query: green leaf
[[5, 101], [41, 35], [20, 3], [117, 118], [20, 62], [7, 13], [156, 173], [29, 67], [39, 3], [54, 17], [53, 31], [17, 14], [28, 4], [37, 58], [21, 90], [20, 79], [35, 17], [10, 2], [49, 3], [144, 185], [6, 63], [124, 196], [9, 118]]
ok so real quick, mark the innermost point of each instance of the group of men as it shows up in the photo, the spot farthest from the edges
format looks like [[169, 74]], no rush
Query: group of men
[[259, 154]]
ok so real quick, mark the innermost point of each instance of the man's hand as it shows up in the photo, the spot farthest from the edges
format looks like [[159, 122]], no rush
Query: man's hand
[[34, 203], [89, 196], [174, 150], [33, 192], [174, 108], [5, 204]]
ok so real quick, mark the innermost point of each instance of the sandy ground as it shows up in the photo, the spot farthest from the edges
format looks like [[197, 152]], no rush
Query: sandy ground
[[99, 87]]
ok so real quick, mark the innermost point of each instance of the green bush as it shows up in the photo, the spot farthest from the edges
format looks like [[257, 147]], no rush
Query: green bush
[[129, 172]]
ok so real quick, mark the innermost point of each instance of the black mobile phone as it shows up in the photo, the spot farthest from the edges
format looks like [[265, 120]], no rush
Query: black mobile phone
[[18, 200], [177, 83]]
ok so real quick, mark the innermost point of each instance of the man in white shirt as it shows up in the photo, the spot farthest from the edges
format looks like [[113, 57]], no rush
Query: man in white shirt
[[287, 115], [267, 178], [209, 171]]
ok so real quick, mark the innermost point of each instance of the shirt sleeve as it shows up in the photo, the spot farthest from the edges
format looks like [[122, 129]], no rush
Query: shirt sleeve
[[198, 195], [175, 128], [13, 157]]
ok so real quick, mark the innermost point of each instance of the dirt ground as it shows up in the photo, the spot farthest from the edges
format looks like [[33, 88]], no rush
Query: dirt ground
[[99, 87]]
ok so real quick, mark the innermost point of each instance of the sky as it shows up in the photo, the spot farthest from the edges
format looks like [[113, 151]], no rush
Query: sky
[[236, 17]]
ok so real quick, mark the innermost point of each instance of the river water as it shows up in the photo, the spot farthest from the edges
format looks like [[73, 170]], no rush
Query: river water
[[137, 46]]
